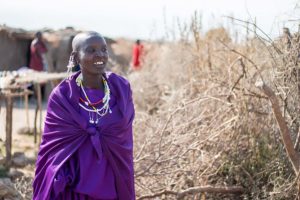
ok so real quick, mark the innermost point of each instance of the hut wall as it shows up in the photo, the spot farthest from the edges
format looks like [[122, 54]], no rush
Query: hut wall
[[13, 51]]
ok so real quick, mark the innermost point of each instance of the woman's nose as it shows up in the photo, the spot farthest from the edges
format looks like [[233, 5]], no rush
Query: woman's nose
[[101, 54]]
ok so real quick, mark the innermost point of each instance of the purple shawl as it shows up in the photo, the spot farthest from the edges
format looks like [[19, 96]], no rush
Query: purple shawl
[[65, 130]]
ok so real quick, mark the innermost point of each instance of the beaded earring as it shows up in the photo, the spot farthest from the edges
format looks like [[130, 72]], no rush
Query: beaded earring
[[72, 63]]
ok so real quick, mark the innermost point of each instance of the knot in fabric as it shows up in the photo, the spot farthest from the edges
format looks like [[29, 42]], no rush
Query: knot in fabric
[[91, 130], [95, 140]]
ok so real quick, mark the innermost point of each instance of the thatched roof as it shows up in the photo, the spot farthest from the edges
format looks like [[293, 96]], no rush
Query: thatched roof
[[17, 33]]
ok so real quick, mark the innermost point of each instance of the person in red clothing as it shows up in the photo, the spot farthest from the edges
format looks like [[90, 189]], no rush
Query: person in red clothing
[[137, 52], [38, 52], [38, 61]]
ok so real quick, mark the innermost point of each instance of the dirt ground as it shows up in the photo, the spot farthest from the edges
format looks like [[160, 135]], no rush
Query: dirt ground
[[21, 142]]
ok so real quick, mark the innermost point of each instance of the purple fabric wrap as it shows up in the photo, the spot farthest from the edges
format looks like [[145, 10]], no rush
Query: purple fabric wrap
[[66, 130]]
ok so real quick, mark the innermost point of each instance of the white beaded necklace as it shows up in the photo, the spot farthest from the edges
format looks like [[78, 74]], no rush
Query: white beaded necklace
[[94, 113]]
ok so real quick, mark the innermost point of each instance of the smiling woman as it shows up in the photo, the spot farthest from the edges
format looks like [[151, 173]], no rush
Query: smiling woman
[[90, 52], [86, 149]]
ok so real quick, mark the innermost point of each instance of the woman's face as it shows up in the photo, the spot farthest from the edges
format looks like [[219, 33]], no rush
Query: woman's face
[[93, 55]]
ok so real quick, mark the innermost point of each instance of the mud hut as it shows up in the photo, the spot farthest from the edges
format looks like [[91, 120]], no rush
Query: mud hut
[[15, 47]]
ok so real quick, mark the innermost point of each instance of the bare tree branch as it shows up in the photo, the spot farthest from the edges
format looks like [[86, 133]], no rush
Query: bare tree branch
[[284, 130], [196, 190]]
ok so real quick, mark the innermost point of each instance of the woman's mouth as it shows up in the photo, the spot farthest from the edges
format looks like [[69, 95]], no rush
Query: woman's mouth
[[99, 63]]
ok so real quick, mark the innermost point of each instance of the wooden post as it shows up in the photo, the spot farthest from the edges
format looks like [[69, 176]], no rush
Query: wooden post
[[34, 125], [8, 139], [38, 108], [26, 110]]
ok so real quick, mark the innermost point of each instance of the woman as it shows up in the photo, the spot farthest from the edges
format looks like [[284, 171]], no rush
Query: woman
[[86, 149]]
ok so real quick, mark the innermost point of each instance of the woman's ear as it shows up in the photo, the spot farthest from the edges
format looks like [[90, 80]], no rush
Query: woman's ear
[[73, 60], [75, 56]]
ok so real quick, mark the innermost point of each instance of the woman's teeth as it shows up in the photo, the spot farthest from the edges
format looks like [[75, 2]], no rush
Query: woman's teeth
[[99, 63]]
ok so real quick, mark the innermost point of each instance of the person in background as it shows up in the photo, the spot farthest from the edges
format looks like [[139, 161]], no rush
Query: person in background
[[87, 144], [38, 52], [137, 53], [38, 61]]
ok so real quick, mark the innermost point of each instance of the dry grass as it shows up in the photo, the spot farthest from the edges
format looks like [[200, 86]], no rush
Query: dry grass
[[201, 121]]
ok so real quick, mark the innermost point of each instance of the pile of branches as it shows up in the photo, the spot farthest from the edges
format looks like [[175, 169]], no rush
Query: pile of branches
[[203, 129]]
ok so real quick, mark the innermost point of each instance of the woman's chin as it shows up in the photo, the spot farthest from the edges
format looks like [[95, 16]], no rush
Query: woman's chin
[[100, 69]]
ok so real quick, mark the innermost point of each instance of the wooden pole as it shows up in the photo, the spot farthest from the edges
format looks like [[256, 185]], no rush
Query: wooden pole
[[39, 95], [8, 139], [34, 125], [26, 110], [38, 108]]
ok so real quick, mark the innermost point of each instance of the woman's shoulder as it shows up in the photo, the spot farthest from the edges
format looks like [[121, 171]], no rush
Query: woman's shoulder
[[64, 86], [116, 79], [59, 89]]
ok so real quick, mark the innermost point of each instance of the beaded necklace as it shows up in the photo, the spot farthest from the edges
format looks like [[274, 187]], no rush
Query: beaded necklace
[[94, 113], [92, 104]]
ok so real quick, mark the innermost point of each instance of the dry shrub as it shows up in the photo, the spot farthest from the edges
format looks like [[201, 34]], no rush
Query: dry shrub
[[200, 120]]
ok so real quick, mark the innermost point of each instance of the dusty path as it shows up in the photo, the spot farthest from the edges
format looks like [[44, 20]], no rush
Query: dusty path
[[21, 142]]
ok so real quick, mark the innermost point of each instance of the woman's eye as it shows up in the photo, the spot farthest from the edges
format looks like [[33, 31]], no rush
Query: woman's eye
[[104, 50], [90, 50]]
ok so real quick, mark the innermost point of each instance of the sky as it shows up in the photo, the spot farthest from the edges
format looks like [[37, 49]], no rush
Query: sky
[[146, 19]]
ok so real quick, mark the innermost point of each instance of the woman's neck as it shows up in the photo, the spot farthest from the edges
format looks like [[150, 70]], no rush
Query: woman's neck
[[93, 81]]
